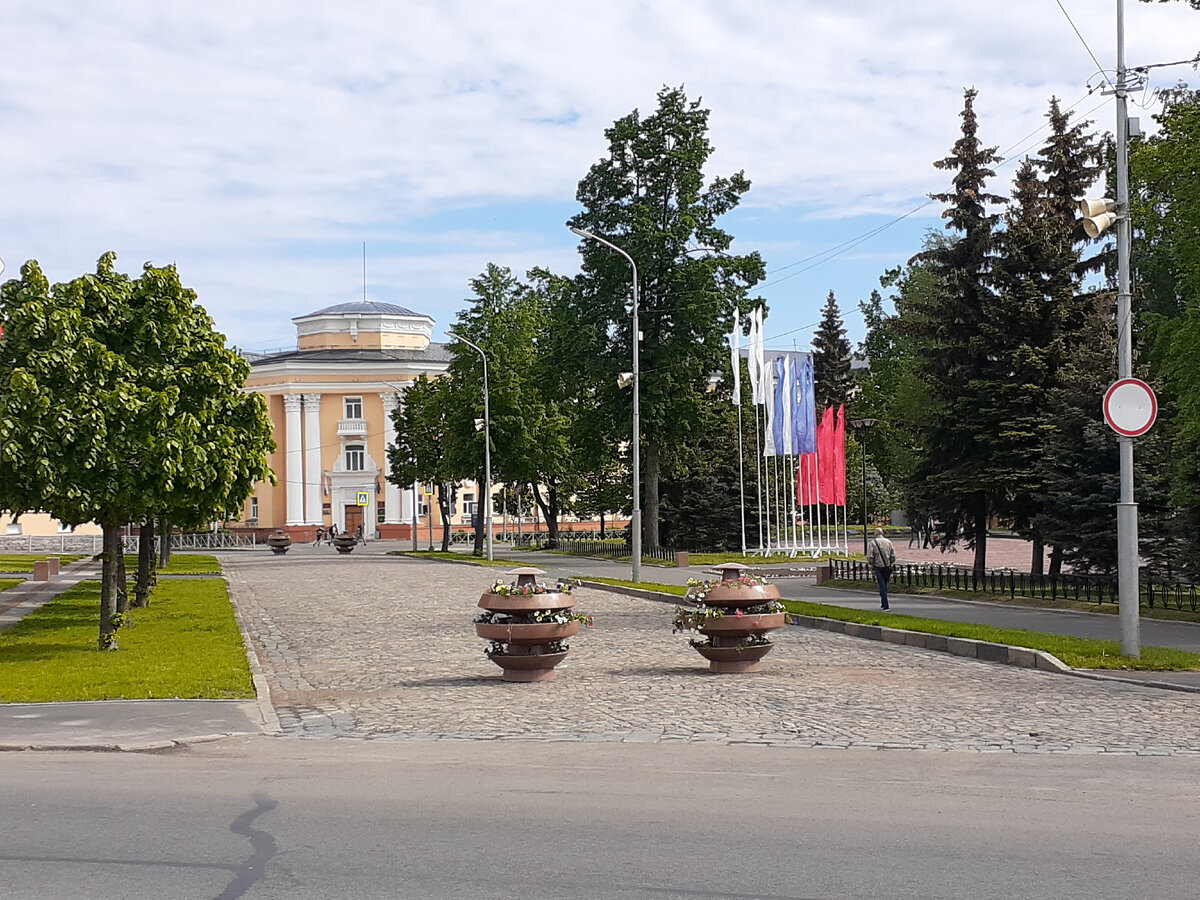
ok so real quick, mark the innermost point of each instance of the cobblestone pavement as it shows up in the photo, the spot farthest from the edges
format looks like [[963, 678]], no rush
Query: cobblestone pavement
[[369, 646]]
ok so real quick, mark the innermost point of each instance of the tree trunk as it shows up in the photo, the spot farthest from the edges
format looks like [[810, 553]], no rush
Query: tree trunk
[[549, 510], [981, 522], [478, 523], [1056, 556], [121, 582], [444, 506], [108, 588], [1036, 565], [553, 515], [650, 495], [601, 535], [164, 543], [146, 572]]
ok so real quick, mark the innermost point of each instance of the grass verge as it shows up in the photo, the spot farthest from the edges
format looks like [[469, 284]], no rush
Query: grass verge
[[23, 562], [186, 644], [180, 564], [1111, 609], [6, 583], [1079, 653]]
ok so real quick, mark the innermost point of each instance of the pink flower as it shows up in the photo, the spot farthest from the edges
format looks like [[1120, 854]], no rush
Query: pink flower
[[739, 613]]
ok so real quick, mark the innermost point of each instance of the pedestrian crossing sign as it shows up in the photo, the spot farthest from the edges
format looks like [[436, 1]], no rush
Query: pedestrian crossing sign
[[364, 498]]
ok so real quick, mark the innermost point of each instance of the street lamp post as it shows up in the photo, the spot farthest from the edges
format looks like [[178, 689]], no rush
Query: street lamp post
[[862, 426], [487, 444], [635, 524]]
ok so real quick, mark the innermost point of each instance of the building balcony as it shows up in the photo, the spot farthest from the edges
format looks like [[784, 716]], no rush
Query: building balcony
[[352, 428]]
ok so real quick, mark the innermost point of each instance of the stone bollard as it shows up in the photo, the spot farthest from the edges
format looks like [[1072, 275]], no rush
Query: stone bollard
[[824, 573], [41, 571], [54, 562], [681, 559]]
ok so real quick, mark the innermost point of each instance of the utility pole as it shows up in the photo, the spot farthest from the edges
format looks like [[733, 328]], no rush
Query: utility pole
[[1127, 517]]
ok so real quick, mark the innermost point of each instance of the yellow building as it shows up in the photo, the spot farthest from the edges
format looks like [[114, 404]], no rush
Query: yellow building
[[41, 525], [331, 401]]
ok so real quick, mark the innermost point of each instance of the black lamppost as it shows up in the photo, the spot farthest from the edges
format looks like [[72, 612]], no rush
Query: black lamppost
[[861, 427]]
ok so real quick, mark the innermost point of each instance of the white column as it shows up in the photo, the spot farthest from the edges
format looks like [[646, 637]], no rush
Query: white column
[[312, 459], [393, 511], [293, 477]]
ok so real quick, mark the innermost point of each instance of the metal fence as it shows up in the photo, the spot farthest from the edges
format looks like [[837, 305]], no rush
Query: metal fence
[[1077, 588], [93, 543]]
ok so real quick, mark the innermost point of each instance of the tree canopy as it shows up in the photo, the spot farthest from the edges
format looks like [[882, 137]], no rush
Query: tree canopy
[[121, 403], [649, 197]]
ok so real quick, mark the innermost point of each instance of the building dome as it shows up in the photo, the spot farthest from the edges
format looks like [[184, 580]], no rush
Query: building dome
[[367, 307], [364, 324]]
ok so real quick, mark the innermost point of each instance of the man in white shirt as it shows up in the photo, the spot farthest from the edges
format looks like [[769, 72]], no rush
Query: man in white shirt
[[881, 556]]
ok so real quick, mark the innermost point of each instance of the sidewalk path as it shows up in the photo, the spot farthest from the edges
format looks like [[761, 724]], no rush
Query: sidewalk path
[[380, 647], [19, 601]]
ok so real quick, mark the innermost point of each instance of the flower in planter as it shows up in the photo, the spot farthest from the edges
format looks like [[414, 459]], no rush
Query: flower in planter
[[512, 589]]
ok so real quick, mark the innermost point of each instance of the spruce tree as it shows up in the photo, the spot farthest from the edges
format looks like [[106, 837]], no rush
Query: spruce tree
[[831, 357], [949, 333]]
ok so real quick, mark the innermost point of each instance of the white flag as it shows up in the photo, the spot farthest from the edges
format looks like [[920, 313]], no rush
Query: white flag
[[735, 353], [752, 362], [760, 355]]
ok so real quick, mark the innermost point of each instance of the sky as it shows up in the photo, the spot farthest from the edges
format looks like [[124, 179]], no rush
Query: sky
[[258, 144]]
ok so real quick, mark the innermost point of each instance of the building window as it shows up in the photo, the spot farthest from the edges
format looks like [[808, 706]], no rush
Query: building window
[[253, 509], [380, 514], [469, 506], [355, 458], [354, 409]]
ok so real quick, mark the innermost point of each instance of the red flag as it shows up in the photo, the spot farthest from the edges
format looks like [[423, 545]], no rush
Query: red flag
[[825, 482], [806, 479], [839, 457]]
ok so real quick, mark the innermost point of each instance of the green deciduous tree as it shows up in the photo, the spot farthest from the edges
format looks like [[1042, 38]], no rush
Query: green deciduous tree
[[120, 402], [530, 422], [649, 197], [1165, 208], [419, 451]]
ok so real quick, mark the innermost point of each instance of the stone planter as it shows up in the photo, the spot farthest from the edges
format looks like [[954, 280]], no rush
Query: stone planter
[[526, 651], [735, 644], [344, 543], [279, 542]]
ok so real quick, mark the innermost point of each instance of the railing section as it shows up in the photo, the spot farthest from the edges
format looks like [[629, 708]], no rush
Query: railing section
[[1078, 588]]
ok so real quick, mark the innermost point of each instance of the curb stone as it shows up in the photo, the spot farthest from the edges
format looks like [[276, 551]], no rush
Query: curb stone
[[985, 651]]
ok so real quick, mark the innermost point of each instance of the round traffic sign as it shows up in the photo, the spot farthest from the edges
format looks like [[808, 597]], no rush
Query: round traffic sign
[[1130, 407]]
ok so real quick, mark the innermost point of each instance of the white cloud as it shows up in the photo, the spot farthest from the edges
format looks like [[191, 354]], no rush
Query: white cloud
[[238, 137]]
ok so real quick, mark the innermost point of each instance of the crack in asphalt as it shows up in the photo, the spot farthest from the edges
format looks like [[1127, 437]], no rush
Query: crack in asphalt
[[262, 845]]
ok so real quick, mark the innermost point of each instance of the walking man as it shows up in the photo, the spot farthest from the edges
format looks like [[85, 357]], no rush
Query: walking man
[[881, 556]]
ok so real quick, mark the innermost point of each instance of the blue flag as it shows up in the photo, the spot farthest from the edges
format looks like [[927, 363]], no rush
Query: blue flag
[[808, 409]]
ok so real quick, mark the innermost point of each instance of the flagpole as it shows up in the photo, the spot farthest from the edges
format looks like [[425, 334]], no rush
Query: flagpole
[[741, 479], [758, 469]]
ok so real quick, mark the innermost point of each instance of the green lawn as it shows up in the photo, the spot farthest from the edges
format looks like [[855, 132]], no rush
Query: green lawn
[[1110, 608], [6, 583], [23, 562], [181, 564], [186, 644], [1079, 653]]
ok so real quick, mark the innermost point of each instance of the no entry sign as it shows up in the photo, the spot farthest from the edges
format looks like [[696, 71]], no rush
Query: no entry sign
[[1130, 407]]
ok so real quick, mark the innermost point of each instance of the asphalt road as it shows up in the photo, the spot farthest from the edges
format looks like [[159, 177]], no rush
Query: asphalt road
[[273, 818]]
